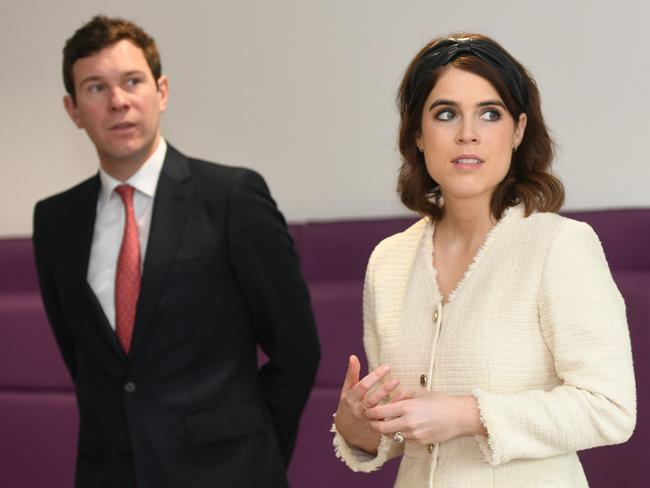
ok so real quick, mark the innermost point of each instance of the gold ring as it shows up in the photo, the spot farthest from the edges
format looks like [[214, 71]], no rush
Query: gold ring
[[398, 437]]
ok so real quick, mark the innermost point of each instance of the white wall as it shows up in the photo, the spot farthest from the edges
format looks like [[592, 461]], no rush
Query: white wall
[[304, 92]]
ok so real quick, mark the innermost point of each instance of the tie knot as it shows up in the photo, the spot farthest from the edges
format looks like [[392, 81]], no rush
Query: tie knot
[[125, 192]]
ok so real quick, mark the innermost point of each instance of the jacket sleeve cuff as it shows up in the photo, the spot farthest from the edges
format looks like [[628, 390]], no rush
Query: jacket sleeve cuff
[[490, 447], [358, 460]]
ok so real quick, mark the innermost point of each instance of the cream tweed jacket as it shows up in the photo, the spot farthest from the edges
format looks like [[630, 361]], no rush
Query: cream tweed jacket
[[536, 331]]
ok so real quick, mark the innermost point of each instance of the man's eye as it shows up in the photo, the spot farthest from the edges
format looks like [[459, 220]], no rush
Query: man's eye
[[491, 115], [95, 88], [445, 115], [133, 81]]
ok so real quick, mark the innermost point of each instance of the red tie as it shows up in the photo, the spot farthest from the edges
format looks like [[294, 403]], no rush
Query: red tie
[[127, 278]]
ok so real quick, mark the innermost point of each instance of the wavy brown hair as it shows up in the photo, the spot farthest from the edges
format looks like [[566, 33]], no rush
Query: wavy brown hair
[[529, 180], [101, 32]]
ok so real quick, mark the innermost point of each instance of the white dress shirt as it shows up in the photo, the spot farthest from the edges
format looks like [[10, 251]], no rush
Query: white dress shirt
[[109, 226]]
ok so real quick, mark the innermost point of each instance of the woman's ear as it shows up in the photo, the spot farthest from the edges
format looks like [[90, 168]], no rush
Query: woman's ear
[[519, 130], [418, 142]]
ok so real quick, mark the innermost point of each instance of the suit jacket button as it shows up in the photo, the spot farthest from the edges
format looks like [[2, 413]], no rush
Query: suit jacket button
[[430, 448], [129, 387], [423, 381]]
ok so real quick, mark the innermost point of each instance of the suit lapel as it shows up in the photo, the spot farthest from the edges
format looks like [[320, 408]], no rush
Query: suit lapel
[[76, 261], [83, 219], [171, 203]]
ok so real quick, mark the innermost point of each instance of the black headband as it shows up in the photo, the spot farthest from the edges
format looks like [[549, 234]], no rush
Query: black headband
[[447, 50]]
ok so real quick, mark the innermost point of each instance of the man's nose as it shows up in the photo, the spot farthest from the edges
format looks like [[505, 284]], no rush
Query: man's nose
[[119, 99]]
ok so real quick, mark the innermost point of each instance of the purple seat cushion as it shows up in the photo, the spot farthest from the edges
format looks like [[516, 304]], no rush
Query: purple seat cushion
[[29, 356], [314, 464], [39, 441]]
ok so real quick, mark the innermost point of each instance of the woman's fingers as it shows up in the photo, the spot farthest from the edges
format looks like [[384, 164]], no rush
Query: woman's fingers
[[359, 390], [388, 411], [352, 374], [389, 427], [374, 397], [363, 394], [367, 382], [399, 396]]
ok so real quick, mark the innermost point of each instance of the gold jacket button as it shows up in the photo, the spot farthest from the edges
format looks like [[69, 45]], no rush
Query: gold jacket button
[[423, 381], [435, 316], [430, 448]]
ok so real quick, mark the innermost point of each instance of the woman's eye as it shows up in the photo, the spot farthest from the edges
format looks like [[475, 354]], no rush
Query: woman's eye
[[445, 115], [490, 115]]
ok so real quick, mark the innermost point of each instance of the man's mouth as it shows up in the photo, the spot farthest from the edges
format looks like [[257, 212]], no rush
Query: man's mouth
[[122, 126]]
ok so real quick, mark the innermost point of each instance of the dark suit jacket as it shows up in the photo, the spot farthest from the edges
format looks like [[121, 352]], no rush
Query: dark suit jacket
[[188, 407]]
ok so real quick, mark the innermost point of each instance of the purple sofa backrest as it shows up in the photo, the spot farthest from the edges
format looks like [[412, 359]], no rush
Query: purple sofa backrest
[[17, 268], [36, 393], [624, 234]]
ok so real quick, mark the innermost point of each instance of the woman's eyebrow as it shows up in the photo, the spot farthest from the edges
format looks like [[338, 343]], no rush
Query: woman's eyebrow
[[451, 103], [498, 103], [442, 101]]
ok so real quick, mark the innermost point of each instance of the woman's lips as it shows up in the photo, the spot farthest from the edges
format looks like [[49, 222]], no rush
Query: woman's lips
[[467, 162]]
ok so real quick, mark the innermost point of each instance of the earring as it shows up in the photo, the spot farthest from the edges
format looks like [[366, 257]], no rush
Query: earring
[[514, 149]]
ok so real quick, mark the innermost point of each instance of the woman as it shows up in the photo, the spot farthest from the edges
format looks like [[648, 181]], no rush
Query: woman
[[496, 338]]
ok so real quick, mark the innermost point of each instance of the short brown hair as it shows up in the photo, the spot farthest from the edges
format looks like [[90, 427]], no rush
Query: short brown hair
[[528, 181], [101, 32]]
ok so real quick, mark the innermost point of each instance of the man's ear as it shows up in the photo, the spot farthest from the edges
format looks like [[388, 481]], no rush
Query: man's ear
[[163, 92], [71, 108]]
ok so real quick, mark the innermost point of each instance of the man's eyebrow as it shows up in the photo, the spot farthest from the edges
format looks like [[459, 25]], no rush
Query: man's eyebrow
[[89, 79], [123, 75], [451, 103], [134, 72]]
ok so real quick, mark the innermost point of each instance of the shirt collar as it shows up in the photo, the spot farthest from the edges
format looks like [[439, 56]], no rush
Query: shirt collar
[[144, 180]]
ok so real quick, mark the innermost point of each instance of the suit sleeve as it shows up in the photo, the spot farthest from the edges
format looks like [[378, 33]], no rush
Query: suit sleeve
[[582, 317], [43, 241], [267, 269]]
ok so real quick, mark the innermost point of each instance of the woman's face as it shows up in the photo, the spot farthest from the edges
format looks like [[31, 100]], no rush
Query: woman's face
[[467, 136]]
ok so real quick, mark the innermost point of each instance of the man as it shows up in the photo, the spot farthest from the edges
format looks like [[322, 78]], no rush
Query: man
[[159, 276]]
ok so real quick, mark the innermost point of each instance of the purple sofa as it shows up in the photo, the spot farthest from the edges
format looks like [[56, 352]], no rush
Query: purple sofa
[[38, 417]]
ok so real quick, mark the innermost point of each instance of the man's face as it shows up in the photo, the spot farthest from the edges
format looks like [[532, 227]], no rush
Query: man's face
[[118, 103]]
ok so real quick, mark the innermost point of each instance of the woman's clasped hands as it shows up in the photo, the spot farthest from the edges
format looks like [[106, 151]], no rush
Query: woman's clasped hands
[[428, 417], [358, 397], [374, 406]]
